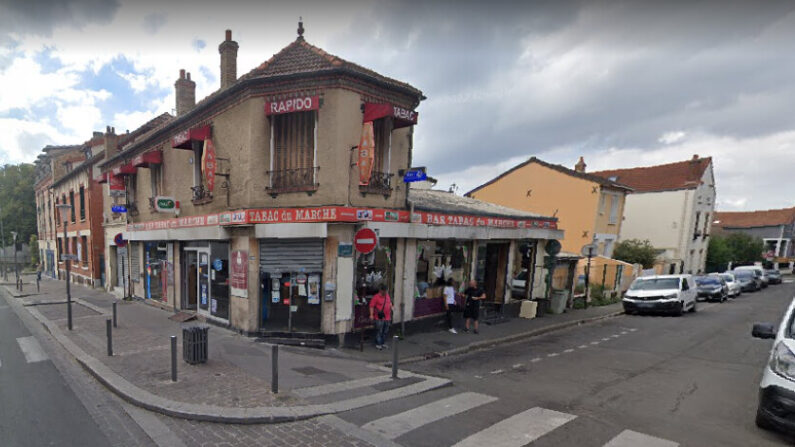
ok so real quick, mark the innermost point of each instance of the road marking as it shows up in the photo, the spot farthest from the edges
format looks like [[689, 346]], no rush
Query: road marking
[[582, 346], [633, 330], [568, 351], [519, 429], [629, 438], [595, 342], [624, 332], [517, 366], [497, 371], [606, 339], [32, 349], [478, 377], [554, 354], [396, 425], [616, 335], [537, 359], [320, 390]]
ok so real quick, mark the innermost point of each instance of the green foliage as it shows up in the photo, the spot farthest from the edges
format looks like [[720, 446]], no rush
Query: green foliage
[[744, 248], [33, 246], [635, 251], [17, 201], [600, 296], [719, 254]]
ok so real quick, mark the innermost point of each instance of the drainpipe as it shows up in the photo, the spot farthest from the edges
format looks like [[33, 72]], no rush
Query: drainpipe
[[406, 290]]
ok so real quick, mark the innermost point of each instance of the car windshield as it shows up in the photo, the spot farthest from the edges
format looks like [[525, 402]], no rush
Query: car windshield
[[706, 281], [743, 274], [727, 278], [655, 284]]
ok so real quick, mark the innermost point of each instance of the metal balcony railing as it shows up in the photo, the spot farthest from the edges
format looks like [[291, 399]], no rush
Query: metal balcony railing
[[201, 195], [293, 180], [380, 183]]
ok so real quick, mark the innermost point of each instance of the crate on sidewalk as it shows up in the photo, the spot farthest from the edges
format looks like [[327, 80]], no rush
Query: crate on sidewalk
[[194, 344]]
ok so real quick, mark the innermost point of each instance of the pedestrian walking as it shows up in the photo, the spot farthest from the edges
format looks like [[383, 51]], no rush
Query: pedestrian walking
[[381, 315], [449, 304], [474, 295]]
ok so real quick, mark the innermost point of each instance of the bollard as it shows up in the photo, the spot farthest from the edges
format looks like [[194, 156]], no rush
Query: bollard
[[275, 369], [395, 356], [110, 337], [114, 315], [173, 357], [38, 285]]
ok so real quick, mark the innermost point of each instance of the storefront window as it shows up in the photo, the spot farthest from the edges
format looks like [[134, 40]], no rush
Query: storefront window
[[374, 269], [219, 280], [155, 259], [439, 261]]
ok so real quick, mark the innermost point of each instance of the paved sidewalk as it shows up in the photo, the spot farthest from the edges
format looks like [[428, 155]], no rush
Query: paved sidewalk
[[433, 340], [233, 386]]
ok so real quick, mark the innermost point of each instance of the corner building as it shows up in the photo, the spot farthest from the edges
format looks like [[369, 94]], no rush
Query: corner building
[[246, 204]]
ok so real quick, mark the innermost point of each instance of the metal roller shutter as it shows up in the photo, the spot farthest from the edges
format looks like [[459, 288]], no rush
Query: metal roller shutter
[[135, 261], [291, 255]]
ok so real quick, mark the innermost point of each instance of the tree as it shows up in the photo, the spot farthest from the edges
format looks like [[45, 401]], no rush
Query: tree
[[719, 254], [745, 249], [33, 246], [635, 251], [17, 201]]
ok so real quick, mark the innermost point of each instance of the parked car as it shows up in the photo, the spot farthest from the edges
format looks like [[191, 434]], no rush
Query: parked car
[[749, 279], [666, 293], [777, 388], [758, 271], [712, 288], [735, 289], [773, 276]]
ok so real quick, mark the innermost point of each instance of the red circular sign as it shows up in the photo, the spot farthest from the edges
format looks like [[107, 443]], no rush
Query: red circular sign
[[119, 240], [365, 240]]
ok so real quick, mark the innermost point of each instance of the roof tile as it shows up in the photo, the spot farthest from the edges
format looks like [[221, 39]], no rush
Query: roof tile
[[667, 177], [750, 219]]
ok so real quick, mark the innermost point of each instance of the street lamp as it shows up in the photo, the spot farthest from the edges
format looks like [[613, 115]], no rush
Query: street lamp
[[64, 209], [16, 269]]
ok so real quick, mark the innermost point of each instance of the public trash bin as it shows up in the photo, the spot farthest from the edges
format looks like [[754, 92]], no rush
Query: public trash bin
[[194, 344], [559, 298], [543, 306]]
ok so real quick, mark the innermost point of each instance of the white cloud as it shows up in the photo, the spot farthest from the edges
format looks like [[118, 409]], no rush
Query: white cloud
[[82, 120], [671, 137], [21, 140]]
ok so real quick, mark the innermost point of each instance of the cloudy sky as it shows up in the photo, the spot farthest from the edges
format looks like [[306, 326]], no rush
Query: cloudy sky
[[621, 83]]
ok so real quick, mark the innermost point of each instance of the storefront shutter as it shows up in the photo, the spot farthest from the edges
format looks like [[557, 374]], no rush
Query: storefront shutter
[[291, 255], [135, 261]]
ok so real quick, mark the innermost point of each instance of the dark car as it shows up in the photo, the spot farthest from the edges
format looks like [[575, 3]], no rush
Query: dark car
[[748, 281], [774, 276], [712, 288]]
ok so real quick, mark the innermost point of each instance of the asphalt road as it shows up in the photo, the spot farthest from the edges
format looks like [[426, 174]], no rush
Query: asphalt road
[[652, 381]]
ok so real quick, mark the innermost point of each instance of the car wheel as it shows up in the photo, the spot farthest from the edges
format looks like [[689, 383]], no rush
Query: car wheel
[[762, 422], [681, 311], [693, 309]]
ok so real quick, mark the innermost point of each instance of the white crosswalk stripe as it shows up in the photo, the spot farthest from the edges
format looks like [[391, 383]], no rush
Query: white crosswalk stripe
[[519, 429], [629, 438], [32, 349], [394, 426]]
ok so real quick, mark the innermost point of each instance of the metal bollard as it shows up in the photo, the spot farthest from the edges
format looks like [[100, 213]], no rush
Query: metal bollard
[[395, 356], [114, 315], [38, 285], [110, 337], [173, 358], [275, 369]]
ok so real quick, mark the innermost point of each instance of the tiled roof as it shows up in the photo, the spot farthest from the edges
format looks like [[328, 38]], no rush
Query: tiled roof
[[561, 169], [447, 202], [667, 177], [300, 57], [750, 219]]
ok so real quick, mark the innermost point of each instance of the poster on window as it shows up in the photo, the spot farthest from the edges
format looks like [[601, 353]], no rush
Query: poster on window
[[204, 294], [238, 280], [214, 306], [276, 294], [314, 289], [366, 153]]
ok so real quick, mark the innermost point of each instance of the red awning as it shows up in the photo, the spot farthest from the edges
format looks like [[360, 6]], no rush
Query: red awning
[[127, 169], [184, 139], [102, 178], [116, 183], [147, 159], [403, 117]]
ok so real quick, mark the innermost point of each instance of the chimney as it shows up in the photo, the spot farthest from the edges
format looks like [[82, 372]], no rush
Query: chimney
[[111, 142], [185, 90], [228, 50], [580, 166], [695, 158]]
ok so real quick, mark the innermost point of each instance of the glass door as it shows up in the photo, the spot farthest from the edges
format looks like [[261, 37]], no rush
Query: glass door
[[203, 281], [190, 284]]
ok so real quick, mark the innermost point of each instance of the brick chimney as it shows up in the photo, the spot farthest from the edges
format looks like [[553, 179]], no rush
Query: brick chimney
[[695, 158], [111, 142], [185, 90], [228, 51], [580, 166]]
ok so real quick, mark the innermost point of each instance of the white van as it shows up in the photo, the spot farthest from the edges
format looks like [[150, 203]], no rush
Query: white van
[[665, 293]]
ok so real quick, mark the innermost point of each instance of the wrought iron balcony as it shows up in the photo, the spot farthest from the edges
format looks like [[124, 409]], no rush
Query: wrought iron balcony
[[293, 180], [201, 195], [380, 183]]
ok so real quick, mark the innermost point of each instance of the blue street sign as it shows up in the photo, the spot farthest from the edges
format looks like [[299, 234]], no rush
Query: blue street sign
[[118, 209], [415, 175]]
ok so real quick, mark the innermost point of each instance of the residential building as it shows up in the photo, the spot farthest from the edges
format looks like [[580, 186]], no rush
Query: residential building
[[45, 217], [775, 227], [672, 206], [244, 207]]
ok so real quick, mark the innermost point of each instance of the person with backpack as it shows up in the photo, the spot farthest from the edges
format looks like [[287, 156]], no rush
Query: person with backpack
[[381, 315]]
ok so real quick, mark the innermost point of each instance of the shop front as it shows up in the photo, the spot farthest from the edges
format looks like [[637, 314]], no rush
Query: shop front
[[156, 265], [373, 270], [439, 261], [205, 278]]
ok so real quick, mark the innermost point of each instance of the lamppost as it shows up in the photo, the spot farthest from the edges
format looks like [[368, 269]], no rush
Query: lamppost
[[64, 209], [16, 269]]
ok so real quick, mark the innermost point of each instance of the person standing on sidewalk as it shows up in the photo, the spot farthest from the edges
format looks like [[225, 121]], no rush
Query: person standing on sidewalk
[[474, 295], [381, 315], [449, 304]]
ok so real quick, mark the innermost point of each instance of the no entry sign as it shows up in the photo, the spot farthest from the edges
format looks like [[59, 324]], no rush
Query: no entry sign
[[365, 240]]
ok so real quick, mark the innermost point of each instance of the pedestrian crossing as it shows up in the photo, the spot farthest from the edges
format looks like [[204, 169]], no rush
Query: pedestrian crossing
[[521, 429], [31, 349]]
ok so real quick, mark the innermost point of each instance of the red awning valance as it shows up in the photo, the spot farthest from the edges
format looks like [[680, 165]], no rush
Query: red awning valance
[[127, 169], [102, 178], [115, 182], [403, 117], [184, 139], [148, 159]]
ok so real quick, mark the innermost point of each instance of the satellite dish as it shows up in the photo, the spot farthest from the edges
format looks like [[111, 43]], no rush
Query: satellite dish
[[552, 247], [589, 250]]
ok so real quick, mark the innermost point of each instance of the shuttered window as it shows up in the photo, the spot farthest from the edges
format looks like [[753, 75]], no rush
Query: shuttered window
[[293, 150], [291, 255], [135, 261]]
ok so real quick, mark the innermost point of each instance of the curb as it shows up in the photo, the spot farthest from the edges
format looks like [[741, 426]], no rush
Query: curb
[[506, 339], [229, 415]]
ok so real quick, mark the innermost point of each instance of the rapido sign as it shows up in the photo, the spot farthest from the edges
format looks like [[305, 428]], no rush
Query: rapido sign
[[302, 104]]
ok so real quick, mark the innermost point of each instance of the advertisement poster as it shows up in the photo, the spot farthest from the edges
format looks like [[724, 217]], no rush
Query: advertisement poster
[[238, 279], [276, 294], [204, 294], [214, 307], [314, 289]]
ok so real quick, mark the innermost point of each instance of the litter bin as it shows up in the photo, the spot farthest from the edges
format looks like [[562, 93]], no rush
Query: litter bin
[[543, 306], [194, 344], [559, 298]]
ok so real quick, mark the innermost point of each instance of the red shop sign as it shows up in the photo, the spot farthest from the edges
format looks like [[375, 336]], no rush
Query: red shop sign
[[209, 163]]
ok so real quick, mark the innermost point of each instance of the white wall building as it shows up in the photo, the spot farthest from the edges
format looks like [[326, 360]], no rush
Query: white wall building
[[672, 206]]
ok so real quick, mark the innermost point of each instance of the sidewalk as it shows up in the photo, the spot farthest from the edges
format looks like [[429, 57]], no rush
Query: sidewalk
[[232, 387], [433, 340]]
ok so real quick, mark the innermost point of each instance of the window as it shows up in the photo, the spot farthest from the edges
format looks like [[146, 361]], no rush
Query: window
[[602, 198], [132, 181], [705, 233], [293, 151], [82, 203], [58, 214], [60, 246], [84, 244], [382, 155], [685, 285], [695, 227], [72, 204], [154, 174], [614, 202]]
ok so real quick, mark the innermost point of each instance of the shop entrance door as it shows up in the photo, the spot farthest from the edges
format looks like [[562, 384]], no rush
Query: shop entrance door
[[203, 281], [190, 284], [496, 261], [291, 302]]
